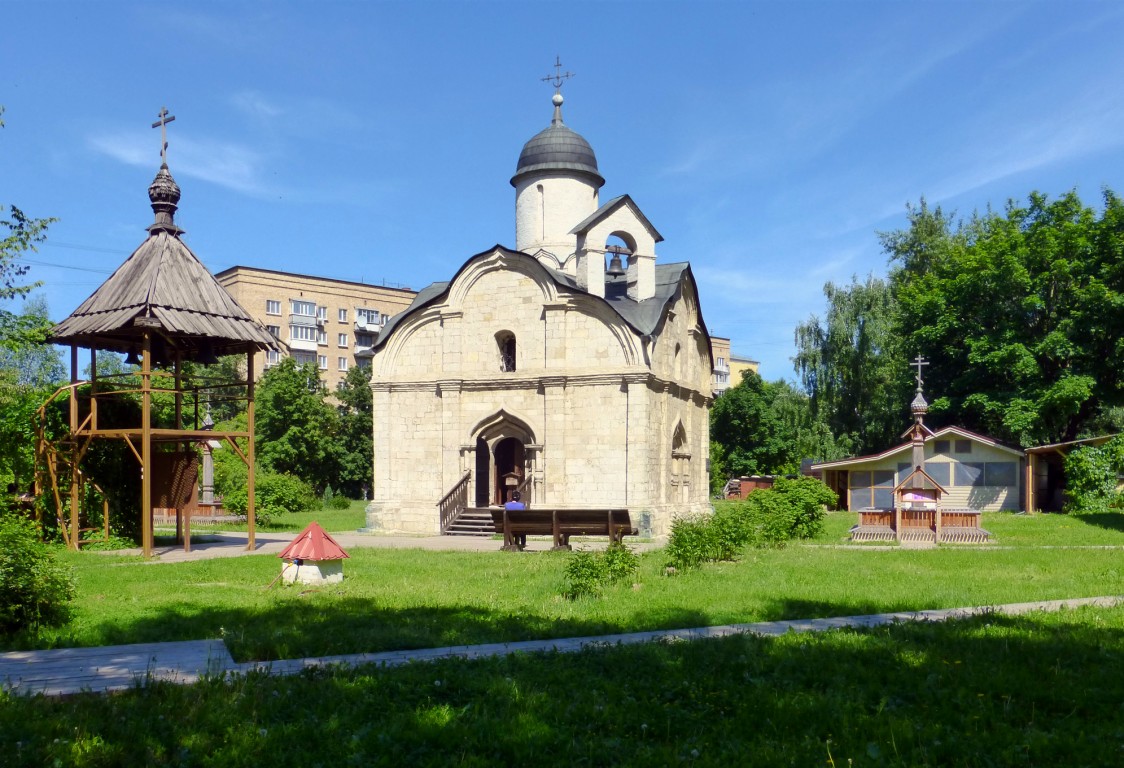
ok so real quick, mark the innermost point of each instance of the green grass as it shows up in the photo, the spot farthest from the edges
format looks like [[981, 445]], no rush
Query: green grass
[[1037, 690], [397, 599]]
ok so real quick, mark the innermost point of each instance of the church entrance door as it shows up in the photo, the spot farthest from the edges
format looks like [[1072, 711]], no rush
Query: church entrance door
[[510, 461]]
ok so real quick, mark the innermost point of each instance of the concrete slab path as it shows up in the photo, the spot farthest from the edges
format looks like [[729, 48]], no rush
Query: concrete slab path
[[114, 668]]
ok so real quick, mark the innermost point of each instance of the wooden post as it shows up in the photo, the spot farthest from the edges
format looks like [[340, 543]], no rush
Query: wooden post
[[146, 446], [75, 492], [250, 514], [1028, 483]]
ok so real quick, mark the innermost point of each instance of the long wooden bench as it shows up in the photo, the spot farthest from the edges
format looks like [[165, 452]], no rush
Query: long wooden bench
[[517, 524]]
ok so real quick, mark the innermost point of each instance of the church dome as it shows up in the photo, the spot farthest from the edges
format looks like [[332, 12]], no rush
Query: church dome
[[558, 148]]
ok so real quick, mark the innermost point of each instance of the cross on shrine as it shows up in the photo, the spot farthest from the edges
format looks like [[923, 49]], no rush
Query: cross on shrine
[[162, 124], [558, 77], [919, 363]]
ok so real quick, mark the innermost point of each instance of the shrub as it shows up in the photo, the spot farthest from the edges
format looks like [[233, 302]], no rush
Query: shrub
[[791, 509], [34, 590], [333, 500], [588, 572], [585, 575], [275, 493], [1091, 474], [690, 543]]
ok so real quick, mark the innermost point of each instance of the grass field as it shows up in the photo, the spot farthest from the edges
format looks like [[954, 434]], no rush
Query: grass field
[[1044, 689]]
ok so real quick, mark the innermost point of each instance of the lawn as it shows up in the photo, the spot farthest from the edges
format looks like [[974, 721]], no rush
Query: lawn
[[350, 519], [1041, 689], [397, 599]]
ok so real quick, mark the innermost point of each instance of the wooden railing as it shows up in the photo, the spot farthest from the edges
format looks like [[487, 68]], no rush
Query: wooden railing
[[454, 502]]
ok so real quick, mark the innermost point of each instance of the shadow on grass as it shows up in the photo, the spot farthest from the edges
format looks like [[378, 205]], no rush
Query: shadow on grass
[[992, 690], [326, 627], [1113, 521]]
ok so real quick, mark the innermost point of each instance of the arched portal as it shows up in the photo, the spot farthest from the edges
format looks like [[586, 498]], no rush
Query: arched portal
[[504, 448], [510, 469]]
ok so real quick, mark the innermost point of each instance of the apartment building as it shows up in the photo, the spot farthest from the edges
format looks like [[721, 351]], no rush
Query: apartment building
[[720, 352], [332, 323]]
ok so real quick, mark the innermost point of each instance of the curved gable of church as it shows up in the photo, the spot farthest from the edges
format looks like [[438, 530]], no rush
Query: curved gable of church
[[504, 312]]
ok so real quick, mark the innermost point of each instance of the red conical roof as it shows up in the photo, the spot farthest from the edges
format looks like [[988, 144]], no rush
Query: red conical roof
[[313, 543]]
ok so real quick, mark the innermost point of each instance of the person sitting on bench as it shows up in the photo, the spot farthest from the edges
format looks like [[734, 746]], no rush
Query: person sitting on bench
[[515, 503]]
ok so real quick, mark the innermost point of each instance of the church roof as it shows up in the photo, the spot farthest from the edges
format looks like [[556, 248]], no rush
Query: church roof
[[642, 316], [558, 148], [605, 210], [163, 285]]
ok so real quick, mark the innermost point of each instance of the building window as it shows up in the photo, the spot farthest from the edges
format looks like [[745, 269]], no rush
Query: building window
[[302, 308], [341, 340], [363, 339], [272, 307], [275, 330], [363, 362], [322, 362], [343, 315], [272, 357], [302, 333], [367, 316], [342, 364], [303, 358], [962, 446], [505, 340], [941, 447], [322, 338], [321, 313]]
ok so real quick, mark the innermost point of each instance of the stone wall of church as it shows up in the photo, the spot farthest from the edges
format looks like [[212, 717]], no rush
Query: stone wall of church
[[600, 421]]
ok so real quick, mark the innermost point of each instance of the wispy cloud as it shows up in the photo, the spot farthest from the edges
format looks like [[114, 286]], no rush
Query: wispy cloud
[[226, 164], [255, 105]]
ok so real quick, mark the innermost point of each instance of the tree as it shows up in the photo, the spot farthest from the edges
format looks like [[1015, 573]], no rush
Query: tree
[[1021, 314], [356, 431], [853, 367], [296, 429], [752, 439]]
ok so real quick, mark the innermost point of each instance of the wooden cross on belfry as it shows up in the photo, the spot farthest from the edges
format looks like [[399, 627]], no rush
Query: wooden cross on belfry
[[919, 363], [162, 124], [558, 77]]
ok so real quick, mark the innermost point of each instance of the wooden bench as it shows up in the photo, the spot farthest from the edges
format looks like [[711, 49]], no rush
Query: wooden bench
[[560, 524]]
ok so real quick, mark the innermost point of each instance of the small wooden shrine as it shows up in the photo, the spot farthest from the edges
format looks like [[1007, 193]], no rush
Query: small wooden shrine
[[917, 516], [161, 308]]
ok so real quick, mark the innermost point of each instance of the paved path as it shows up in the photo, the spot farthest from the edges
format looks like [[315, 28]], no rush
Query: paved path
[[115, 668], [233, 544]]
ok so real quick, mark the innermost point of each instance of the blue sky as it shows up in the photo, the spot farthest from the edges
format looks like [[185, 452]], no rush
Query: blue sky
[[768, 142]]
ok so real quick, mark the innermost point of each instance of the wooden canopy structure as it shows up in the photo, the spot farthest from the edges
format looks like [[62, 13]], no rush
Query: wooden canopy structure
[[161, 308]]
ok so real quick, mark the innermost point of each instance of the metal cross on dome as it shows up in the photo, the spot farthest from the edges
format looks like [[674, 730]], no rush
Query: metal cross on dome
[[559, 76], [919, 363], [162, 124]]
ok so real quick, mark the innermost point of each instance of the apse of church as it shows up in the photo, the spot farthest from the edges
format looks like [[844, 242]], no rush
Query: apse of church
[[574, 368]]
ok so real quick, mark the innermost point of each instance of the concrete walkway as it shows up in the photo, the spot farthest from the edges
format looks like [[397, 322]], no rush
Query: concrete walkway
[[114, 668], [216, 544]]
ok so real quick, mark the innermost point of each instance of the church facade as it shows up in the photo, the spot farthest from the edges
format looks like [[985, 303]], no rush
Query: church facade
[[544, 370]]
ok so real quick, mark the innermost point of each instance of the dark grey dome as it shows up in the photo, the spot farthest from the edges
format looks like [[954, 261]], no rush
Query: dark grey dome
[[558, 148]]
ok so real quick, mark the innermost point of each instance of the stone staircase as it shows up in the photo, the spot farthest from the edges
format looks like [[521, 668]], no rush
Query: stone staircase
[[472, 522]]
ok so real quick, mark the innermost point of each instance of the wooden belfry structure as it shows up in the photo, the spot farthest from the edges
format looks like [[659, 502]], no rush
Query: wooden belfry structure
[[161, 308]]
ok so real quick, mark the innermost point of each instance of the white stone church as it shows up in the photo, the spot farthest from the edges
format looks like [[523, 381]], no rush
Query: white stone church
[[545, 370]]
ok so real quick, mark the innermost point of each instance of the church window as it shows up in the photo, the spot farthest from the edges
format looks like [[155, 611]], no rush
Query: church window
[[505, 341]]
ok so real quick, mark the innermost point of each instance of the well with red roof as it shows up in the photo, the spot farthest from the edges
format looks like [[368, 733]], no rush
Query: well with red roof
[[313, 557]]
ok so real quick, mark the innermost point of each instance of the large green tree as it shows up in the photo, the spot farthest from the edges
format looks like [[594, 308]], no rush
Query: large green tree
[[296, 428], [853, 366], [356, 431], [1020, 313]]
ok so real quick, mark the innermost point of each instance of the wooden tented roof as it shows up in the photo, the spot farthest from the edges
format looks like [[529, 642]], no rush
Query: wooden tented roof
[[163, 287]]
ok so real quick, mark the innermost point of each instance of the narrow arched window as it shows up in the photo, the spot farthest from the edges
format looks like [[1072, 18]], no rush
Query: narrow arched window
[[505, 341]]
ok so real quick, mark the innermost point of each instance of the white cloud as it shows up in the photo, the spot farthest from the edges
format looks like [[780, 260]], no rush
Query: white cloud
[[223, 163]]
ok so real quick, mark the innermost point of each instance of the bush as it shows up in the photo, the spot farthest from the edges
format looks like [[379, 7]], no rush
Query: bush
[[34, 590], [587, 573], [1091, 474], [332, 500], [275, 493], [791, 509]]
